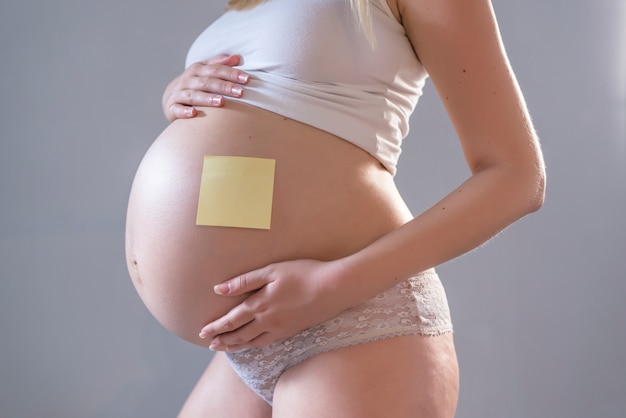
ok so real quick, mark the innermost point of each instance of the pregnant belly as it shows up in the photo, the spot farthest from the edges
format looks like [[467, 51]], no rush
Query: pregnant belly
[[319, 182]]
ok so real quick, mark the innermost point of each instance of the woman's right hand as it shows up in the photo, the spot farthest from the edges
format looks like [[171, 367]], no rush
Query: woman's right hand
[[204, 83]]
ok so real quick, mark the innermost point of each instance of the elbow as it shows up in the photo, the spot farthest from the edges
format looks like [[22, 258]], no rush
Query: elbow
[[530, 183], [535, 189], [522, 187], [538, 196], [537, 177], [519, 183]]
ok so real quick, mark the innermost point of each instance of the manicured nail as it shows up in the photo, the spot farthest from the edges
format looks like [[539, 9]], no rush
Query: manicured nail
[[243, 78], [217, 100], [236, 91], [221, 289]]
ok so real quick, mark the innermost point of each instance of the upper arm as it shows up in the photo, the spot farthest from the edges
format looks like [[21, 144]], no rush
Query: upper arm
[[459, 44]]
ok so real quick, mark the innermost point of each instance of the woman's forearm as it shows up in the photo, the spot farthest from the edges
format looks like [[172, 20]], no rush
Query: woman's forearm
[[480, 208]]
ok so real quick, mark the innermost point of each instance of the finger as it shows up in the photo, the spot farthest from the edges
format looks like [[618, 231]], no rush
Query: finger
[[217, 86], [232, 60], [262, 340], [238, 317], [179, 111], [224, 59], [220, 68], [191, 97], [223, 72], [244, 283], [242, 337]]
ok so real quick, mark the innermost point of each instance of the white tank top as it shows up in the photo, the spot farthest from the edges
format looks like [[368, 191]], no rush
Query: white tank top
[[310, 61]]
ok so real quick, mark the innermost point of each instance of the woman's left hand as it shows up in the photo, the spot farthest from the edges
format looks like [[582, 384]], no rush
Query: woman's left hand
[[285, 298]]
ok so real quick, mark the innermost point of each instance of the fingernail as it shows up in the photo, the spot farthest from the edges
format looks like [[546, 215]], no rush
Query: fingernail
[[217, 100], [236, 90], [203, 334], [221, 289], [213, 347], [243, 78]]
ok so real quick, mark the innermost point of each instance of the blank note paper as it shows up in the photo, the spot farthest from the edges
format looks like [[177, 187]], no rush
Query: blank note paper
[[236, 192]]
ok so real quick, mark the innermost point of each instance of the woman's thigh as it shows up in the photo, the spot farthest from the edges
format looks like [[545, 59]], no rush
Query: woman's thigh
[[409, 376], [220, 393]]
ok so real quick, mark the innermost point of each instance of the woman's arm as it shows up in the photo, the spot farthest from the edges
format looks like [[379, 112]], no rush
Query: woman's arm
[[459, 44], [203, 84]]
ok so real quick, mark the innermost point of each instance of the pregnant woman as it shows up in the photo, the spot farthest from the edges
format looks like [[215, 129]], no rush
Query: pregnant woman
[[264, 222]]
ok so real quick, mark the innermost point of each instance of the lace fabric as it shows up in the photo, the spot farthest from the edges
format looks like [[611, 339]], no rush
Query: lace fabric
[[415, 306]]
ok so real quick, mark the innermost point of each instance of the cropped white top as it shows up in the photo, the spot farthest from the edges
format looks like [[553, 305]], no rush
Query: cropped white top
[[310, 61]]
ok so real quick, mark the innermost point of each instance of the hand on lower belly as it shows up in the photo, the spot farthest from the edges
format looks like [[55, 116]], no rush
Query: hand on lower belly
[[284, 299]]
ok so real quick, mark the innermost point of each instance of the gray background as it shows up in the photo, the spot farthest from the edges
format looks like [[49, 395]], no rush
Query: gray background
[[538, 313]]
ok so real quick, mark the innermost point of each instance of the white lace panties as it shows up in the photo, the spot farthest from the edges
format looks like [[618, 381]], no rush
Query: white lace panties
[[415, 306]]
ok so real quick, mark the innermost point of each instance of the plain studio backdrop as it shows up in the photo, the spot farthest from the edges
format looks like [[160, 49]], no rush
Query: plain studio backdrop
[[539, 312]]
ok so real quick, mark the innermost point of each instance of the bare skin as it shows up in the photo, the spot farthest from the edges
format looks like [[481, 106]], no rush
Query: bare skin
[[204, 84], [221, 393], [320, 180], [420, 379], [459, 44], [402, 377]]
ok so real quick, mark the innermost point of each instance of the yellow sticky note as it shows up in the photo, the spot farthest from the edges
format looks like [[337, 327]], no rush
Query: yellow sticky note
[[236, 192]]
